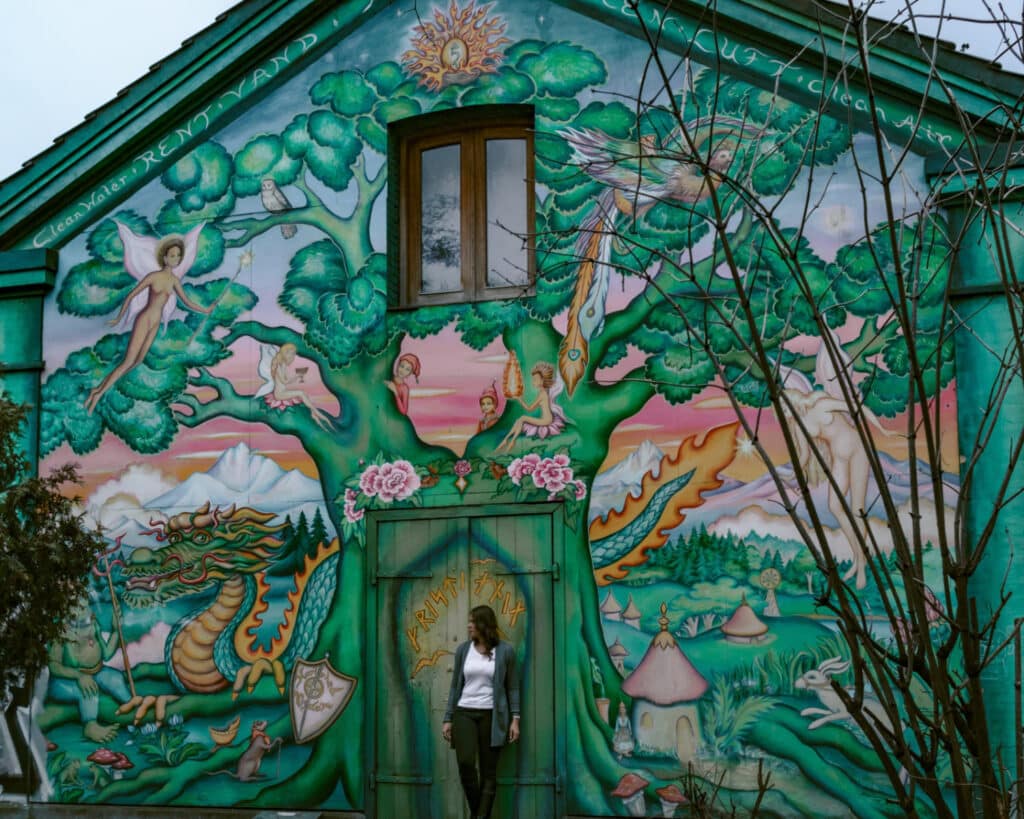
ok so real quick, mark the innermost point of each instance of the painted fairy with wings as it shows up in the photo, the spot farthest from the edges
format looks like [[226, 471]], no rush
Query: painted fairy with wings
[[279, 389], [158, 265], [551, 420]]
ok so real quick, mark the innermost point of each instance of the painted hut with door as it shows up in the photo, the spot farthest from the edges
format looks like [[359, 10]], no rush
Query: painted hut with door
[[666, 688]]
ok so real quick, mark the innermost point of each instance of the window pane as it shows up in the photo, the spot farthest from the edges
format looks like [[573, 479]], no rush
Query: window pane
[[440, 233], [506, 213]]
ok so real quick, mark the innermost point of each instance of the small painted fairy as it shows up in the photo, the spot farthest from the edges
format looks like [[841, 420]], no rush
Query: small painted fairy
[[489, 408], [407, 364], [280, 389], [551, 420]]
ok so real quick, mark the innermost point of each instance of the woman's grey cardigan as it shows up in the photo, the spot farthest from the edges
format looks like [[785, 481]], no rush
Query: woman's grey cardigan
[[506, 689]]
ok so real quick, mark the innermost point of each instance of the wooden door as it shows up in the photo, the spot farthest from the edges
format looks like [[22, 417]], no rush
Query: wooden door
[[427, 573]]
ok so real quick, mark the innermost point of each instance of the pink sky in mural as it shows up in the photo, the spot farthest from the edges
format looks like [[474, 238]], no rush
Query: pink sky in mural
[[444, 407]]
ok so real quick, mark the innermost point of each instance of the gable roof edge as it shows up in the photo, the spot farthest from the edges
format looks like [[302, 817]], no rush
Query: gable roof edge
[[188, 79]]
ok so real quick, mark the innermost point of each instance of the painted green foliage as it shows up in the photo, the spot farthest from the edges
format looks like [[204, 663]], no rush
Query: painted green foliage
[[335, 289]]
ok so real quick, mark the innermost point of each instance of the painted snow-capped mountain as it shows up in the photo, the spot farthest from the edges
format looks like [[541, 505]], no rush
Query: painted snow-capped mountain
[[239, 476], [245, 478], [735, 496], [242, 470], [754, 507], [624, 478]]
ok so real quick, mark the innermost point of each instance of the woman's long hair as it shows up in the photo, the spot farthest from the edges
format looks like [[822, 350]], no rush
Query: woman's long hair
[[486, 624]]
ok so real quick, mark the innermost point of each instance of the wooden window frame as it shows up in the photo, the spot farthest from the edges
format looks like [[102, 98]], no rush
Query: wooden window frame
[[471, 129]]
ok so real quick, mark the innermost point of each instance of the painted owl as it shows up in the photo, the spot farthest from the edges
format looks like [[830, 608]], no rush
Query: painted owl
[[274, 200]]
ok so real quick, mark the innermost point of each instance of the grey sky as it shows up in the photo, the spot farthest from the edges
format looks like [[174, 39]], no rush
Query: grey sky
[[61, 59]]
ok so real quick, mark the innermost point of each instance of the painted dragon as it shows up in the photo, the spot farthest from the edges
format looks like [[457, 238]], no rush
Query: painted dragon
[[228, 550], [624, 538]]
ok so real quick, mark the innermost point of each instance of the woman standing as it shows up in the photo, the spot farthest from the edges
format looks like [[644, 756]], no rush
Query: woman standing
[[483, 708]]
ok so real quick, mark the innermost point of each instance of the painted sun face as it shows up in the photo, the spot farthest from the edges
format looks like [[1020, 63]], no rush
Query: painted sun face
[[455, 47], [454, 54]]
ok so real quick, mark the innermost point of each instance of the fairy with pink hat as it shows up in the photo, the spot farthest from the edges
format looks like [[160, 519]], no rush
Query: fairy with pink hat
[[489, 408], [405, 365]]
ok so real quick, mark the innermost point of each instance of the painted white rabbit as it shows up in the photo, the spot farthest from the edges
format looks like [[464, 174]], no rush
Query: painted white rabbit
[[819, 680]]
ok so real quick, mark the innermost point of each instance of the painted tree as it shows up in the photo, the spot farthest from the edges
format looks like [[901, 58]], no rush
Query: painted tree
[[662, 195]]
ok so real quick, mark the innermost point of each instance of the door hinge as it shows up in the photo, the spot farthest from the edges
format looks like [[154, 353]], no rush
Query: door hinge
[[373, 781]]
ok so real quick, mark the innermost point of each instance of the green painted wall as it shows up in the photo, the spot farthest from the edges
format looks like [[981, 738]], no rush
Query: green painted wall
[[26, 277], [235, 446]]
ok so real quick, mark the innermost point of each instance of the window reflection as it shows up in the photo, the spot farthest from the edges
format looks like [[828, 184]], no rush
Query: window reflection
[[440, 230], [506, 213]]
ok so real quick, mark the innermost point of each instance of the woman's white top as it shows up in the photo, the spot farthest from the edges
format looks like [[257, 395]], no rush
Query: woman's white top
[[478, 691]]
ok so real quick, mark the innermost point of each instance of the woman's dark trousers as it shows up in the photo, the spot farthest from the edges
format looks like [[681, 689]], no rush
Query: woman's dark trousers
[[471, 736]]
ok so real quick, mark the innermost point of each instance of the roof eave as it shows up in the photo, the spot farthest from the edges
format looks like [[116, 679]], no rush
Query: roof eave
[[809, 35], [148, 107]]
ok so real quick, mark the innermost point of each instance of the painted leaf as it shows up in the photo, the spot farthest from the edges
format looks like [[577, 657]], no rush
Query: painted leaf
[[347, 92], [261, 158], [563, 69]]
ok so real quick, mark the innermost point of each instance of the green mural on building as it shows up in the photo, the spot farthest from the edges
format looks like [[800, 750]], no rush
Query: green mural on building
[[224, 362]]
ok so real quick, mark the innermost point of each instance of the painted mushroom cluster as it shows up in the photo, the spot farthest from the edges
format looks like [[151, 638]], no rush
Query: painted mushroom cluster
[[114, 760]]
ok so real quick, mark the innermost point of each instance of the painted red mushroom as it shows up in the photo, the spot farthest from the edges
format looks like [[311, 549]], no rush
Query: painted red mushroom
[[122, 763], [103, 756], [671, 798], [631, 791]]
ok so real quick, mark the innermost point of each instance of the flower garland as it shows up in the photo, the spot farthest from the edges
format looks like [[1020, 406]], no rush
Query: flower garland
[[386, 481]]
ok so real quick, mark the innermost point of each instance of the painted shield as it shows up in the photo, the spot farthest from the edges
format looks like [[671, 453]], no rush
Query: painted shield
[[319, 693]]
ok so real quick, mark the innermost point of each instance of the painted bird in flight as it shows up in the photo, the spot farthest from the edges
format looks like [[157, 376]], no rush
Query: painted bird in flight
[[638, 174]]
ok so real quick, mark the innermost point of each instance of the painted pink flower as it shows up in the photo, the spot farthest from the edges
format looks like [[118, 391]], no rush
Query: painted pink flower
[[352, 515], [523, 467], [463, 467], [395, 481], [553, 474], [581, 489], [368, 480]]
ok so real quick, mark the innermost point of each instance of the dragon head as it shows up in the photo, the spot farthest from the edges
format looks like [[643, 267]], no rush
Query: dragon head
[[201, 549]]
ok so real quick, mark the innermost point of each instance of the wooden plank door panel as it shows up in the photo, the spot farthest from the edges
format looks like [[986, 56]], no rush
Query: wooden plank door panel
[[421, 617], [521, 593], [428, 574]]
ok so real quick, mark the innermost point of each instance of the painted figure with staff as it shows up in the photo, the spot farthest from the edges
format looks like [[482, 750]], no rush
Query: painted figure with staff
[[78, 669]]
